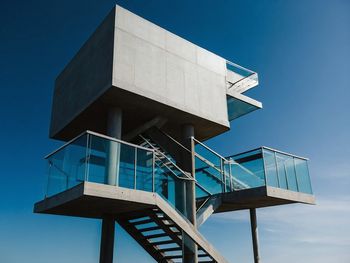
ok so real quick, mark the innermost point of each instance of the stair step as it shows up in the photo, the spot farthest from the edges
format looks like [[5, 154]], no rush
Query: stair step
[[170, 249], [173, 256], [141, 222], [156, 235], [149, 228], [163, 242]]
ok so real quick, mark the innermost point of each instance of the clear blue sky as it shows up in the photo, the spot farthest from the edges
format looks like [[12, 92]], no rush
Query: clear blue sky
[[301, 50]]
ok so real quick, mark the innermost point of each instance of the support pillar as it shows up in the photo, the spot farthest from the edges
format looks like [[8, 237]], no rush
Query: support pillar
[[114, 128], [107, 239], [190, 254], [255, 237]]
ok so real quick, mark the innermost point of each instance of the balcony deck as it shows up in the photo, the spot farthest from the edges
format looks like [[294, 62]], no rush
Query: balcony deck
[[259, 197], [78, 182], [93, 200]]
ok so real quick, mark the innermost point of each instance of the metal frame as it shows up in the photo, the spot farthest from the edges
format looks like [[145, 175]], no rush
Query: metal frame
[[97, 135], [271, 149], [240, 67]]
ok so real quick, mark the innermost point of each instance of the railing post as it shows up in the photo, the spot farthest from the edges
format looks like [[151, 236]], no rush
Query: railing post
[[278, 176], [230, 171], [135, 168], [87, 156], [153, 171], [295, 172], [222, 168], [48, 178], [264, 163]]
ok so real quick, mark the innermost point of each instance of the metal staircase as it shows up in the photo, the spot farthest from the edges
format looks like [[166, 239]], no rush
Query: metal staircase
[[159, 235]]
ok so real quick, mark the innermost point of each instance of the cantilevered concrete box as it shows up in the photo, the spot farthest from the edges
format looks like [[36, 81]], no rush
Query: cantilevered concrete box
[[145, 70]]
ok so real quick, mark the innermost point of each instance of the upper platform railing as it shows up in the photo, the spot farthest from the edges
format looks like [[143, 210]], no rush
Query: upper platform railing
[[239, 78]]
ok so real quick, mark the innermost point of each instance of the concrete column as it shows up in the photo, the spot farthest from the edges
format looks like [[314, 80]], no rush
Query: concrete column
[[190, 254], [107, 239], [114, 128], [255, 237]]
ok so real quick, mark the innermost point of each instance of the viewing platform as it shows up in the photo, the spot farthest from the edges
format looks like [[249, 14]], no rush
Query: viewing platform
[[257, 178]]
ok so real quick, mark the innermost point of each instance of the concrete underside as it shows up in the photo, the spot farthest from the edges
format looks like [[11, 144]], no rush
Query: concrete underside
[[136, 110], [95, 200], [261, 197]]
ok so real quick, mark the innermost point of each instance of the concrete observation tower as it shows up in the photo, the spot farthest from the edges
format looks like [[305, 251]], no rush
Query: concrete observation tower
[[134, 106]]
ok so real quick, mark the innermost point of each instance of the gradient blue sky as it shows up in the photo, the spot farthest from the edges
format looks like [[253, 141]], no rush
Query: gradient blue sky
[[301, 50]]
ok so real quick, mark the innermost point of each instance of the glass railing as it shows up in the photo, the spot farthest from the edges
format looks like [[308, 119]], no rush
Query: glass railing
[[100, 159], [286, 171], [239, 78], [237, 108], [248, 170], [212, 170], [266, 166]]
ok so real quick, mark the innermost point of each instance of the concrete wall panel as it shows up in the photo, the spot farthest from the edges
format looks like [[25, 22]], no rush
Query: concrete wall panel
[[179, 74]]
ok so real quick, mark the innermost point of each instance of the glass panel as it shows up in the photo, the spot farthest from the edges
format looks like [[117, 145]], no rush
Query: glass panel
[[200, 193], [271, 169], [208, 177], [161, 181], [237, 108], [97, 158], [67, 167], [291, 176], [282, 172], [144, 170], [169, 187], [248, 170], [227, 172], [303, 177], [208, 155], [127, 166]]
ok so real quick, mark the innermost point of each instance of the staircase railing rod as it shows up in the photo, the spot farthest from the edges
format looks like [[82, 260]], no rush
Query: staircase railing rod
[[246, 77], [205, 201], [209, 149], [202, 188], [181, 178], [174, 140], [210, 164], [168, 159]]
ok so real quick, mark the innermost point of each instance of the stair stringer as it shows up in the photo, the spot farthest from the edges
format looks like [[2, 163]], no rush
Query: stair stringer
[[209, 207], [189, 229]]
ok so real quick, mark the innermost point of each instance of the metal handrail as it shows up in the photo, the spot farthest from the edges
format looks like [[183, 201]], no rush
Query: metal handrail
[[285, 153], [239, 66], [211, 165], [97, 135], [209, 149], [168, 159], [181, 178], [271, 149], [246, 77], [204, 189], [174, 140]]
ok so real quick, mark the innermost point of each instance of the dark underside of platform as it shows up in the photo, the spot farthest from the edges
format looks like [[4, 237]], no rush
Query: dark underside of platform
[[75, 202], [260, 197], [249, 198]]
